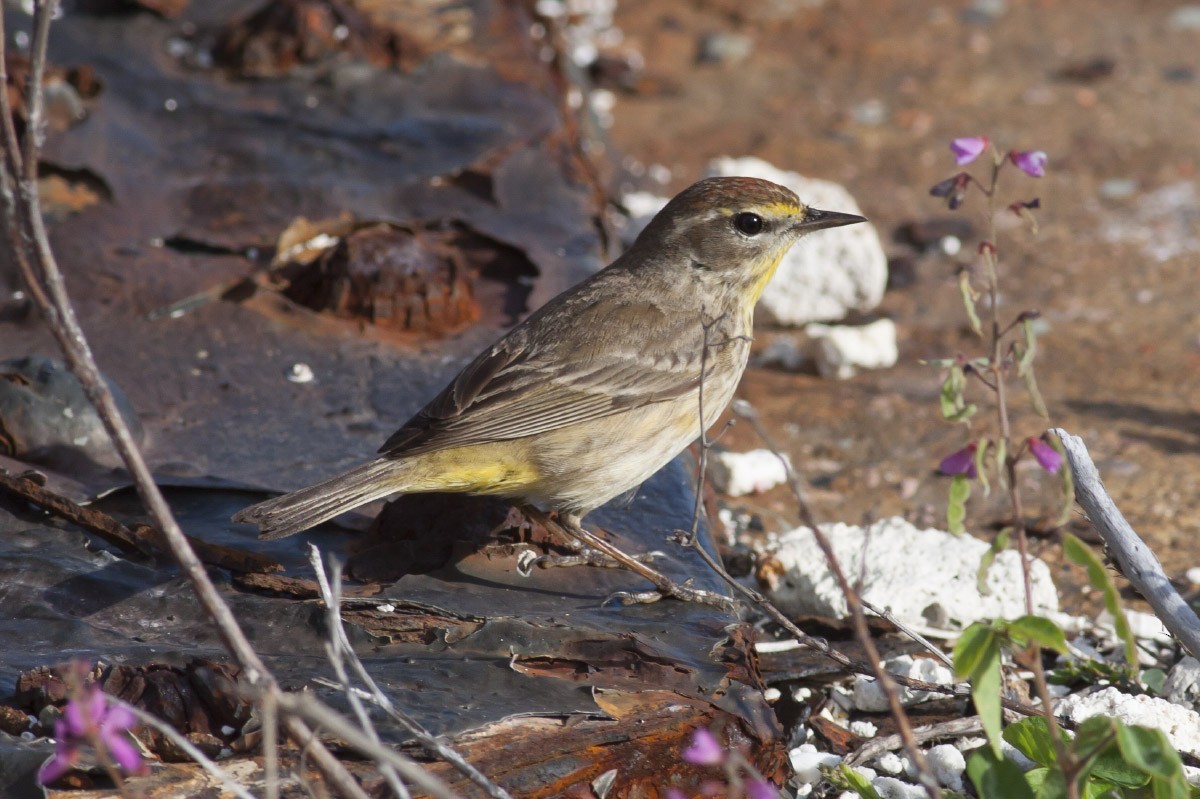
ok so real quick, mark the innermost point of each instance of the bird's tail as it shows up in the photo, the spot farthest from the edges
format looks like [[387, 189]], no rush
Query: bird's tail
[[308, 507]]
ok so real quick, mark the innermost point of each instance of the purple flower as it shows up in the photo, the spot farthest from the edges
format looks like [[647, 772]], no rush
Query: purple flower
[[705, 749], [953, 189], [760, 789], [961, 462], [968, 148], [1031, 162], [89, 719], [675, 793], [1046, 455]]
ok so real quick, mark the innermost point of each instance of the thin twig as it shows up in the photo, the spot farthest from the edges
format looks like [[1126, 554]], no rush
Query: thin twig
[[331, 590], [42, 275], [320, 715], [1137, 561], [376, 695], [954, 728], [861, 630], [186, 746], [929, 646]]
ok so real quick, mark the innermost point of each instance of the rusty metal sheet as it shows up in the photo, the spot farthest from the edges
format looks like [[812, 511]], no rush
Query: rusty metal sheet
[[196, 171]]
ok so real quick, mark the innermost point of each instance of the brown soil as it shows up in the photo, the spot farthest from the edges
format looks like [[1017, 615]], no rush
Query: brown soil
[[1108, 90]]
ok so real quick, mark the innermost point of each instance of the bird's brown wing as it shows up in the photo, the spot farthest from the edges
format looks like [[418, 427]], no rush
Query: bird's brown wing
[[628, 356]]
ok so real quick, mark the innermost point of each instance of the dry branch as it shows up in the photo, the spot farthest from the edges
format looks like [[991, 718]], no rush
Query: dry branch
[[1137, 561]]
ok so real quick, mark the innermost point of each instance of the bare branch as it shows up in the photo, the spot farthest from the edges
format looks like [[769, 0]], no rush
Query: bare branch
[[1137, 561]]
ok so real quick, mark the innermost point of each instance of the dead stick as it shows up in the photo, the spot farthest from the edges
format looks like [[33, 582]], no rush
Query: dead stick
[[42, 275], [1137, 561]]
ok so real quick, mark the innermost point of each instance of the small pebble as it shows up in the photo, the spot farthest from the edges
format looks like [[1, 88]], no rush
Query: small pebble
[[724, 48], [1185, 18], [807, 762], [948, 765], [300, 373], [864, 729], [890, 763], [1118, 188]]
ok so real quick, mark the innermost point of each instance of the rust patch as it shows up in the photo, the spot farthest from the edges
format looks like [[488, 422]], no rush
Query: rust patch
[[285, 34], [409, 280], [396, 281]]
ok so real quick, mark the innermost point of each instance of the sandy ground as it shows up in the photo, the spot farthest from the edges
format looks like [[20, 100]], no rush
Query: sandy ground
[[869, 94]]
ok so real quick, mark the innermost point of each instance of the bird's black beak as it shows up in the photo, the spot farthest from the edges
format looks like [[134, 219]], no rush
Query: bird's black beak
[[816, 219]]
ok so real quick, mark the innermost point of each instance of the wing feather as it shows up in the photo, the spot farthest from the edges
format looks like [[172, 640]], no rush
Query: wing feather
[[521, 387]]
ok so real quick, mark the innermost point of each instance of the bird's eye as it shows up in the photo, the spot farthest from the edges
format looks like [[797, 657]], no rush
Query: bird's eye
[[750, 224]]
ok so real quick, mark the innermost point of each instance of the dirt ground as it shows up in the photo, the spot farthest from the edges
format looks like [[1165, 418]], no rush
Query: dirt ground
[[868, 94]]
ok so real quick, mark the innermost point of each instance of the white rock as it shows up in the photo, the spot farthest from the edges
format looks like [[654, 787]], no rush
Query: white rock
[[926, 578], [1193, 575], [784, 351], [807, 762], [1144, 626], [1181, 725], [741, 473], [1017, 756], [890, 763], [642, 206], [1182, 685], [892, 788], [864, 729], [828, 274], [841, 350], [948, 765], [868, 773], [867, 695]]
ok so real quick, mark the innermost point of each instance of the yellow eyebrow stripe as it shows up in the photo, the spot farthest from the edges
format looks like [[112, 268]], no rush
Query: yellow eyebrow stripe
[[770, 210]]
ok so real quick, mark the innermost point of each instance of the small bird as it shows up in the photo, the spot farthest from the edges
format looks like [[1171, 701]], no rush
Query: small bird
[[601, 387]]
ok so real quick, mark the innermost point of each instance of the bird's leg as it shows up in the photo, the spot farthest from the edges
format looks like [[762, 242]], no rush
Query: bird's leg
[[569, 526], [584, 554]]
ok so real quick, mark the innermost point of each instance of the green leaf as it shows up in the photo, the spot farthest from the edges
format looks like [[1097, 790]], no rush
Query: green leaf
[[1149, 750], [999, 544], [1052, 786], [1001, 459], [1035, 396], [1111, 766], [857, 783], [972, 649], [985, 693], [1093, 736], [1036, 777], [1082, 554], [1026, 361], [956, 508], [981, 449], [951, 398], [1031, 736], [969, 297], [977, 659], [996, 777], [1097, 789], [1153, 679], [1041, 631], [954, 405]]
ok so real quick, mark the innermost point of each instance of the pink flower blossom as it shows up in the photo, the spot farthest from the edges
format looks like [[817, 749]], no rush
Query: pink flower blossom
[[961, 462], [968, 148], [705, 750], [91, 720], [1046, 455], [1031, 162]]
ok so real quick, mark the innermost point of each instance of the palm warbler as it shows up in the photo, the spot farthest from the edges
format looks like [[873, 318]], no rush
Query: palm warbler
[[601, 387]]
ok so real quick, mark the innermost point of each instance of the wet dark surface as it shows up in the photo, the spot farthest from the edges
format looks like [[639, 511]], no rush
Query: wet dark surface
[[195, 172]]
